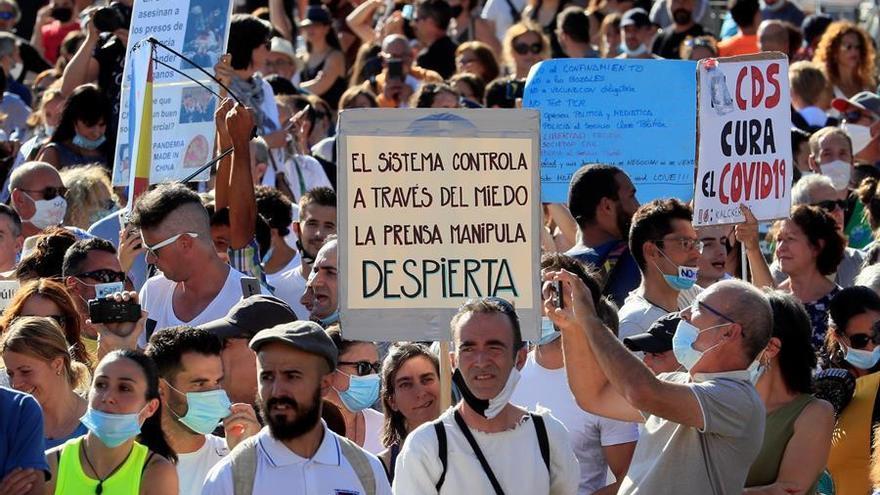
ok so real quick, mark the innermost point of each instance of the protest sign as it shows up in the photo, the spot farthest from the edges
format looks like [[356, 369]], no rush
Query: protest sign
[[436, 207], [744, 140], [7, 292], [636, 114], [183, 112]]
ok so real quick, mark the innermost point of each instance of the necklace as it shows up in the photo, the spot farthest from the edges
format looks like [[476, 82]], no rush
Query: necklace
[[100, 488]]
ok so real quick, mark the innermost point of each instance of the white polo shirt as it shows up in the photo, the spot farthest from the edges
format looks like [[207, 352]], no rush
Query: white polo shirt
[[279, 470]]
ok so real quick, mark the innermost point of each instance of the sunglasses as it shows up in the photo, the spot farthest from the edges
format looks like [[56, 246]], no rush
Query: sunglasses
[[861, 340], [154, 249], [524, 48], [104, 276], [831, 205], [363, 368], [856, 115], [7, 16], [49, 192]]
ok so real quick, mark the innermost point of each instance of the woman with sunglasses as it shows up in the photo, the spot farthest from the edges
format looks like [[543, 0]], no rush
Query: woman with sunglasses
[[48, 298], [846, 54], [124, 451], [410, 393], [524, 46], [852, 343], [809, 247], [355, 387], [797, 435], [38, 363]]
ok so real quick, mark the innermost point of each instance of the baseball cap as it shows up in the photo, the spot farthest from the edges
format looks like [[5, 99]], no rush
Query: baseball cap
[[635, 17], [249, 316], [316, 14], [866, 100], [304, 335], [814, 26], [658, 338]]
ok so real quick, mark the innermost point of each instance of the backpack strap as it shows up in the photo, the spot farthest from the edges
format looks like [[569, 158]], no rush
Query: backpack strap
[[243, 461], [543, 441], [360, 463], [441, 444]]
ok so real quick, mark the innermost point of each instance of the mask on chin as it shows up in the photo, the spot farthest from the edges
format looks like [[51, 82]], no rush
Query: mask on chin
[[490, 408]]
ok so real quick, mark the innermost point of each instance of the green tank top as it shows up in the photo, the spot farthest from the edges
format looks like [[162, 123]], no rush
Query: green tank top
[[778, 430], [126, 480]]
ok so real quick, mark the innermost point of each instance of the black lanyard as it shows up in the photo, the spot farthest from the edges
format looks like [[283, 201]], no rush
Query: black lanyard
[[483, 462]]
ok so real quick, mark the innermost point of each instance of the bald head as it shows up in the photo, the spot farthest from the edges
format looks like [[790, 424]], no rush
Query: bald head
[[746, 305], [773, 37], [34, 175], [396, 46]]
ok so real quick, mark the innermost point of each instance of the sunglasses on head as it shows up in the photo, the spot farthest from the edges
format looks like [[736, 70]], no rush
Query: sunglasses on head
[[104, 276], [363, 368], [524, 48], [50, 192], [831, 205]]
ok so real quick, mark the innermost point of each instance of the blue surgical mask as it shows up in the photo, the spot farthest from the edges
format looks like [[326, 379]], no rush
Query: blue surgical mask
[[686, 278], [329, 320], [548, 332], [268, 255], [362, 392], [683, 343], [862, 359], [204, 409], [86, 143], [112, 430], [756, 370]]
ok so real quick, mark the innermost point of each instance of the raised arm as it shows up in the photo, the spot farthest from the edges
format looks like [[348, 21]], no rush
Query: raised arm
[[360, 20], [280, 19], [242, 201], [224, 168], [82, 68], [747, 234]]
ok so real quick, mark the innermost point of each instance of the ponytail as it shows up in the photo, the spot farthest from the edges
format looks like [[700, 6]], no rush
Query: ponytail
[[867, 193]]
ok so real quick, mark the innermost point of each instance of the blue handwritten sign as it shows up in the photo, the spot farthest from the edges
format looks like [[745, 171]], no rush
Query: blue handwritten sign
[[639, 115]]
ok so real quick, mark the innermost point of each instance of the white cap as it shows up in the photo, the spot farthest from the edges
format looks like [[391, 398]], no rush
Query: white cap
[[281, 45]]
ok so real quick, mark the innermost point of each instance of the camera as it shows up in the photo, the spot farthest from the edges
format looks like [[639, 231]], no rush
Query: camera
[[113, 17], [514, 89], [110, 311]]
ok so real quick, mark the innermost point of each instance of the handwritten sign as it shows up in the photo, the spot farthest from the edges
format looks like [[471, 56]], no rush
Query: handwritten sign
[[636, 114], [183, 111], [8, 289], [431, 219], [744, 151]]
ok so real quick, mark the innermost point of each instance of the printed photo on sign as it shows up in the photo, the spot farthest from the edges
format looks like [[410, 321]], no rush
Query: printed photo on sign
[[205, 31], [197, 105]]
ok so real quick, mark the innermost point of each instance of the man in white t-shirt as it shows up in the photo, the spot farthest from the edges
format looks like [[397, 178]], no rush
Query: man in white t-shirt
[[193, 404], [296, 452], [490, 444], [317, 220], [599, 443], [666, 248], [195, 285]]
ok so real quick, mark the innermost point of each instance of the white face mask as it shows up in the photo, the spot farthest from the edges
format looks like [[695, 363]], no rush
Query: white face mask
[[860, 135], [640, 50], [497, 403], [48, 212], [15, 70], [839, 172]]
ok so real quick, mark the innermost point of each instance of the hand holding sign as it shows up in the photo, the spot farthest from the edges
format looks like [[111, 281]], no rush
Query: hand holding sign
[[239, 123], [747, 232]]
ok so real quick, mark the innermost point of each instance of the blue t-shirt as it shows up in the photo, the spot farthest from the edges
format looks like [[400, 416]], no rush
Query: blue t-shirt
[[54, 442], [21, 433], [622, 278]]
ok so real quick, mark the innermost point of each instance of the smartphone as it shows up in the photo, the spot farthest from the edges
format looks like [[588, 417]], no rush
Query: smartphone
[[514, 89], [408, 12], [249, 287], [111, 311], [558, 289], [395, 69]]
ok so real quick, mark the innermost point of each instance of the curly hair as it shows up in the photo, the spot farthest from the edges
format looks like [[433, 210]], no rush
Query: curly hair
[[84, 186], [55, 292], [47, 257], [821, 232], [867, 193], [829, 45]]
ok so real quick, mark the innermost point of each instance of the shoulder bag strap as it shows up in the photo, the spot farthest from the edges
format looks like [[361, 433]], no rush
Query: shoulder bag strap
[[360, 463], [243, 461], [543, 441], [479, 453], [441, 444]]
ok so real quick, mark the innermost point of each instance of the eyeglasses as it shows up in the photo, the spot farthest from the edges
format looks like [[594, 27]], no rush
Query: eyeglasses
[[857, 115], [49, 192], [104, 275], [524, 48], [831, 205], [686, 243], [363, 368], [153, 250]]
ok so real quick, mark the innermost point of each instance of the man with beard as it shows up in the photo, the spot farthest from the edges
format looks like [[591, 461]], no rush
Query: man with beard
[[667, 44], [295, 364], [485, 438], [602, 200], [317, 220]]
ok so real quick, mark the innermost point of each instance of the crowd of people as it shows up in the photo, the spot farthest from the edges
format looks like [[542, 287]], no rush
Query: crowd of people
[[191, 342]]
